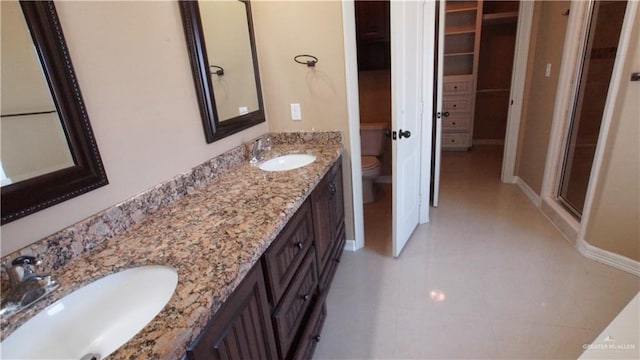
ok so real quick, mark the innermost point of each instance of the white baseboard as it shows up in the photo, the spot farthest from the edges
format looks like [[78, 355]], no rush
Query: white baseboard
[[562, 220], [383, 179], [350, 245], [527, 190], [607, 257]]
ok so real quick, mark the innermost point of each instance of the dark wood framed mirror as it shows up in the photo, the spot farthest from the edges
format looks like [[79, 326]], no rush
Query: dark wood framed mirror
[[84, 170], [222, 52]]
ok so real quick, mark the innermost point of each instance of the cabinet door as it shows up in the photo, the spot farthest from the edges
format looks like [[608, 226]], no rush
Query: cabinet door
[[337, 199], [322, 221], [242, 328], [328, 214]]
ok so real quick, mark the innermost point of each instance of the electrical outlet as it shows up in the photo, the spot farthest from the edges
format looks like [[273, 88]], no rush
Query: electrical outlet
[[243, 110], [547, 71], [296, 113]]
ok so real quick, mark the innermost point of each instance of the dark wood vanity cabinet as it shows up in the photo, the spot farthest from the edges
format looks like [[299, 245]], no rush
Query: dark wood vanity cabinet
[[241, 328], [278, 310]]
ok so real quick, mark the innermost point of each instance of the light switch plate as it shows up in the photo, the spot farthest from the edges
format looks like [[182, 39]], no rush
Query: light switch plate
[[547, 71], [296, 113]]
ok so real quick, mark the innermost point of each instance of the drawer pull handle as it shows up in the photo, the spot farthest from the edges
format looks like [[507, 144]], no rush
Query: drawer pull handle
[[453, 123], [305, 297], [316, 338], [453, 140], [455, 87], [299, 244]]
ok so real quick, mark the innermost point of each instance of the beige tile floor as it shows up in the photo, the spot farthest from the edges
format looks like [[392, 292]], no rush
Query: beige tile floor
[[489, 277]]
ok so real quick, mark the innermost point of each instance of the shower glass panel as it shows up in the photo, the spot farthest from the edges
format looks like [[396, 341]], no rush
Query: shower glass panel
[[599, 54]]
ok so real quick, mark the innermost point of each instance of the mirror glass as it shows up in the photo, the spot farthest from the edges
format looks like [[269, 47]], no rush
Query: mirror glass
[[226, 34], [32, 139], [221, 47], [48, 151]]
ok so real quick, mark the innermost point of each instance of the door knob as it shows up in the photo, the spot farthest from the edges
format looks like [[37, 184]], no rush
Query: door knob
[[405, 133]]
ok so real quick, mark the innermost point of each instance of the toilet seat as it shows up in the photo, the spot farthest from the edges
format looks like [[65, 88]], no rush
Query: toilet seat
[[370, 166]]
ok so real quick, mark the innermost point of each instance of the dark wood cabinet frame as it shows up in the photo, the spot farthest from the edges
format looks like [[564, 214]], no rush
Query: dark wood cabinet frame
[[26, 197], [214, 129]]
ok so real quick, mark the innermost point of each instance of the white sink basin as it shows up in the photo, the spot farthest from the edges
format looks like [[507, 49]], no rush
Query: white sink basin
[[96, 319], [287, 162]]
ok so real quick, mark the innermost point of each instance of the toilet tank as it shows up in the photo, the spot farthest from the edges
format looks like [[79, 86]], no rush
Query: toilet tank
[[372, 138]]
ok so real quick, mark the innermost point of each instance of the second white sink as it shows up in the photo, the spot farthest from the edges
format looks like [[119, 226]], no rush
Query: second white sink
[[96, 319], [287, 162]]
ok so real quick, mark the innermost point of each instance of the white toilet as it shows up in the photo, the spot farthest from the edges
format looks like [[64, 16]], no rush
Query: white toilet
[[372, 138]]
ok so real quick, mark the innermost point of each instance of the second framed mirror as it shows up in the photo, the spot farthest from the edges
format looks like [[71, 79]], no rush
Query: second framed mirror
[[222, 53]]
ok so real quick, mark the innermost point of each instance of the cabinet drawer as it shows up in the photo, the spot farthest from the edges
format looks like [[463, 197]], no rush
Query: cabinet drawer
[[457, 85], [285, 254], [296, 302], [311, 335], [457, 104], [456, 122], [455, 141]]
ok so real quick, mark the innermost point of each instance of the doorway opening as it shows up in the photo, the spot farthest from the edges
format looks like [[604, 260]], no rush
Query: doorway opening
[[479, 48], [373, 39]]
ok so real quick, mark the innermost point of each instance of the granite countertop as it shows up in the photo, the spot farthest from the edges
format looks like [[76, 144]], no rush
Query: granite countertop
[[212, 237]]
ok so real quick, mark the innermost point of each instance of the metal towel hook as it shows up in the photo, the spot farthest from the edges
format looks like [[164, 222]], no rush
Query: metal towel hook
[[310, 63], [218, 72]]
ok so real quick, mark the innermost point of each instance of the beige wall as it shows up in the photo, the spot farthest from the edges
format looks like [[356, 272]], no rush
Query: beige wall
[[289, 28], [546, 46], [614, 224], [285, 29], [132, 65]]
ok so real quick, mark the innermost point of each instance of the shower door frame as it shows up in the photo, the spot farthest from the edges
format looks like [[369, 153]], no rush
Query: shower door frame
[[575, 111], [573, 229]]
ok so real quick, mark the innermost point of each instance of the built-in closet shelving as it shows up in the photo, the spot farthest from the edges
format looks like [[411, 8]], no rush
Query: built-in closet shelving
[[479, 45], [461, 48]]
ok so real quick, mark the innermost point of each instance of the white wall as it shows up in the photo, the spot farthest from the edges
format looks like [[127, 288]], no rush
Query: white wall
[[132, 66]]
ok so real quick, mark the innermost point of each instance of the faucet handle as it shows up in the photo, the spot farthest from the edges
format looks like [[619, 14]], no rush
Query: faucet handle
[[25, 260], [23, 267]]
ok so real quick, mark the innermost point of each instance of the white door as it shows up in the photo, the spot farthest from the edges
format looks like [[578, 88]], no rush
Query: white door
[[406, 120], [437, 121]]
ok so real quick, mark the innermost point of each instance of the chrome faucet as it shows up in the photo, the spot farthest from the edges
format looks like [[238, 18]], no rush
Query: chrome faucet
[[258, 148], [25, 286]]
